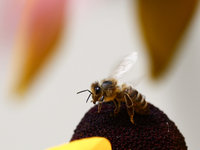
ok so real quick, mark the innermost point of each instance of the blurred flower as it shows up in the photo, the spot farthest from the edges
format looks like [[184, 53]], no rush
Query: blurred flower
[[163, 24], [93, 143], [39, 30]]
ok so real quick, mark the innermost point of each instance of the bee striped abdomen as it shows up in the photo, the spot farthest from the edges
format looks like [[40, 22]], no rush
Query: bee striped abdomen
[[140, 104]]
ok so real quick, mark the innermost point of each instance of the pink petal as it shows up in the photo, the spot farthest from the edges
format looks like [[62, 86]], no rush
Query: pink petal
[[39, 32]]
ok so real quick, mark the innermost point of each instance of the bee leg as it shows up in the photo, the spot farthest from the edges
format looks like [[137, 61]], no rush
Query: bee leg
[[100, 103], [130, 109], [117, 107], [128, 100], [131, 114], [99, 107], [131, 118]]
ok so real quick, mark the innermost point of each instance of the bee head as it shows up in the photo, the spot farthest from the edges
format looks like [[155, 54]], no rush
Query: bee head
[[106, 91], [97, 91]]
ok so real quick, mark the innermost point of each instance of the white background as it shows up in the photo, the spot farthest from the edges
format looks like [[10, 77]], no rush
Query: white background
[[97, 37]]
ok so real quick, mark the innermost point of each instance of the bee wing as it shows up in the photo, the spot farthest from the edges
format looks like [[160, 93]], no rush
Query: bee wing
[[125, 65], [137, 80]]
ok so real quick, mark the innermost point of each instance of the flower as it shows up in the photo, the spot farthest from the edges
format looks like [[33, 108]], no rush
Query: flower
[[153, 131]]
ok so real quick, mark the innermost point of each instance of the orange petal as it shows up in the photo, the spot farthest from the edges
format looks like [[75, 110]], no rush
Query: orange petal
[[92, 143], [163, 23], [39, 32]]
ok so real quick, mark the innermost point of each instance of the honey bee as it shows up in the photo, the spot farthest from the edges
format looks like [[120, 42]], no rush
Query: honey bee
[[109, 90]]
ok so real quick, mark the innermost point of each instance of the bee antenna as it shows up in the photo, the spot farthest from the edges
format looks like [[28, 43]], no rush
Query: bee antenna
[[88, 97], [85, 91]]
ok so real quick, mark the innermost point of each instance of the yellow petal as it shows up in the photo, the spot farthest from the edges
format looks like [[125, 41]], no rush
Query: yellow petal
[[92, 143], [163, 23], [39, 31]]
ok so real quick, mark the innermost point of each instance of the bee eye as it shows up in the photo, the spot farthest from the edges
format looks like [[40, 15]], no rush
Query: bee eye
[[97, 89]]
